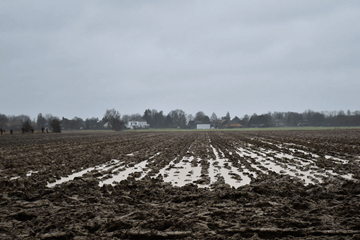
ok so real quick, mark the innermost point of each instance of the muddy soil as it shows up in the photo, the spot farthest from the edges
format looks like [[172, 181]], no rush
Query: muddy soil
[[277, 202]]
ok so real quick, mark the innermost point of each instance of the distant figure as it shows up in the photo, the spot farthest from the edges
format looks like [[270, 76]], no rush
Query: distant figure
[[23, 130], [1, 131], [47, 130], [32, 130], [42, 129], [11, 131]]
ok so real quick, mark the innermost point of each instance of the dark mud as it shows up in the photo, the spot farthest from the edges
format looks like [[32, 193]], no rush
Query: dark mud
[[271, 206]]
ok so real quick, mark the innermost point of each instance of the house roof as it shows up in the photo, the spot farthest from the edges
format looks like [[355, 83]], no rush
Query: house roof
[[222, 122]]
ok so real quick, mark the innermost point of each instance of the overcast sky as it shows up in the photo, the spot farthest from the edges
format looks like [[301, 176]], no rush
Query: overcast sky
[[79, 58]]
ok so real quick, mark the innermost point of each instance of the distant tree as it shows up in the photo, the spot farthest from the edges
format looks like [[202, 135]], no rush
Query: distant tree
[[136, 117], [117, 124], [227, 117], [26, 126], [147, 116], [76, 123], [245, 120], [340, 119], [66, 123], [21, 117], [189, 118], [278, 119], [168, 123], [3, 119], [113, 117], [214, 119], [293, 118], [40, 121], [55, 124], [199, 116], [314, 118], [125, 118], [317, 119], [263, 120], [49, 117], [100, 124], [24, 118], [110, 116], [91, 123], [153, 120], [158, 119], [87, 124], [178, 117], [356, 118]]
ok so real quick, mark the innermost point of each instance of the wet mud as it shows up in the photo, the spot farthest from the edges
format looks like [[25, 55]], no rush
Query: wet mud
[[181, 185]]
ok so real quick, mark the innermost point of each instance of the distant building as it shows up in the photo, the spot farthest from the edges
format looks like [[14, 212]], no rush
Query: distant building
[[192, 124], [137, 124], [203, 126], [222, 124], [235, 123], [303, 123]]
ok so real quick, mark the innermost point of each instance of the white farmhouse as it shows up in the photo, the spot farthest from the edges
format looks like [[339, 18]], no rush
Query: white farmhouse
[[203, 126], [137, 124]]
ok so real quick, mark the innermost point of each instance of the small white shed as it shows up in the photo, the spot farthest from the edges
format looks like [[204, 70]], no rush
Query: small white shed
[[203, 126]]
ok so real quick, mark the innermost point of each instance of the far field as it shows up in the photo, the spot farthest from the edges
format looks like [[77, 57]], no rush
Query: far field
[[212, 184]]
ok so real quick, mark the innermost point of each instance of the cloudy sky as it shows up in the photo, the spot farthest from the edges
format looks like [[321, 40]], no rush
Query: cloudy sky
[[79, 58]]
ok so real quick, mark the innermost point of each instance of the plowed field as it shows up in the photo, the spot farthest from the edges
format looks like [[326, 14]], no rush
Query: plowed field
[[180, 185]]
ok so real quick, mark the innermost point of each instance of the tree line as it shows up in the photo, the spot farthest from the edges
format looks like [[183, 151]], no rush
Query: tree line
[[179, 119]]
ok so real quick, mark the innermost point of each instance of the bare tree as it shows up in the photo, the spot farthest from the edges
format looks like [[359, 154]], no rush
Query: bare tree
[[136, 117], [199, 116], [3, 119], [26, 126], [227, 117], [214, 119], [21, 117], [40, 121], [55, 124], [178, 117], [245, 120], [189, 117], [113, 117], [202, 117], [125, 118], [48, 117]]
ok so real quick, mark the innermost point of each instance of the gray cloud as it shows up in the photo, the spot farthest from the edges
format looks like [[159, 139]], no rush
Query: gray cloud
[[80, 58]]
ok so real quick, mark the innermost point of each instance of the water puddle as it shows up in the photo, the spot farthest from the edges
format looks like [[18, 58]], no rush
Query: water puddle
[[231, 175], [181, 173], [71, 177], [188, 169]]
